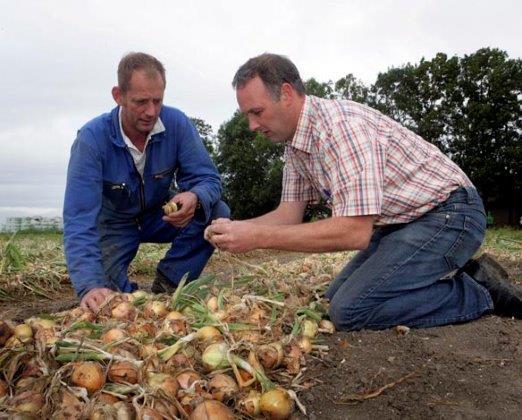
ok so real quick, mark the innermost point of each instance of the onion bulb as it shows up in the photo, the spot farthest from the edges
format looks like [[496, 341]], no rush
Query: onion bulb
[[88, 375], [28, 402], [140, 294], [23, 332], [309, 328], [124, 311], [326, 326], [270, 355], [155, 309], [105, 398], [215, 356], [167, 383], [187, 378], [250, 404], [212, 304], [114, 334], [123, 372], [170, 207], [209, 333], [276, 404], [305, 344], [211, 410], [37, 323], [222, 387], [46, 336], [151, 414]]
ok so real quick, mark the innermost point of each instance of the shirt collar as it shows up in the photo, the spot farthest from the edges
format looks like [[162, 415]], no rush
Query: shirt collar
[[158, 128], [302, 139]]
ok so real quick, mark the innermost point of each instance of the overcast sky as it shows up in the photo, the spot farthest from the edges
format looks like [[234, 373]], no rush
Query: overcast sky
[[59, 59]]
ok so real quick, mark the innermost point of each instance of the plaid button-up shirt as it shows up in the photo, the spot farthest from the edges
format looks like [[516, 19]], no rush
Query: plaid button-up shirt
[[364, 163]]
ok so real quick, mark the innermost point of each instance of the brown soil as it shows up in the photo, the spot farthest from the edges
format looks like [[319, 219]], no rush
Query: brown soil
[[465, 371]]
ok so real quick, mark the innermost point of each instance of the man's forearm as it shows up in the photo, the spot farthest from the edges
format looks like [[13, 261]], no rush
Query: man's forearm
[[333, 234], [289, 213]]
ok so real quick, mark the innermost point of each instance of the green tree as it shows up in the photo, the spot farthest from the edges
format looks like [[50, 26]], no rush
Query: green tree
[[251, 168], [206, 134]]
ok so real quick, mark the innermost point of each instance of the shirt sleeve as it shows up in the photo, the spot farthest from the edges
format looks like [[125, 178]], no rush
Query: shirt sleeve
[[296, 187], [357, 169]]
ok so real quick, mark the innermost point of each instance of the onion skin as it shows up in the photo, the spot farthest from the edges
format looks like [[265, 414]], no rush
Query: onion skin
[[215, 356], [3, 389], [165, 382], [250, 404], [5, 332], [88, 375], [211, 410], [270, 355], [124, 311], [326, 326], [276, 404], [310, 328], [222, 387], [155, 309], [23, 332], [114, 334], [187, 377], [28, 402], [123, 372]]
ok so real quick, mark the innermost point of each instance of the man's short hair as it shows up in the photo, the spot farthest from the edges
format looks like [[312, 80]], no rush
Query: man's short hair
[[138, 61], [273, 70]]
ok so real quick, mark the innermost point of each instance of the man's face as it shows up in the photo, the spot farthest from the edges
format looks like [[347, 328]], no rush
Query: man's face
[[141, 103], [265, 115]]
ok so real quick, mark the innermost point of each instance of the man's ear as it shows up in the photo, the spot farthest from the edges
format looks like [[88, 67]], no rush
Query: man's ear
[[117, 95], [287, 93]]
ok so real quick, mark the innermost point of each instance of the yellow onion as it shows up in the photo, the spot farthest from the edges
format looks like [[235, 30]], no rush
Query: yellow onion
[[13, 342], [123, 372], [23, 332], [167, 409], [187, 378], [28, 402], [209, 333], [326, 326], [105, 398], [276, 404], [124, 411], [41, 323], [26, 383], [155, 309], [46, 336], [147, 350], [305, 344], [5, 332], [180, 360], [250, 404], [222, 387], [139, 295], [309, 328], [215, 356], [79, 314], [167, 383], [174, 324], [3, 389], [170, 207], [141, 330], [88, 375], [124, 311], [114, 334], [211, 410], [270, 355], [70, 407], [212, 304]]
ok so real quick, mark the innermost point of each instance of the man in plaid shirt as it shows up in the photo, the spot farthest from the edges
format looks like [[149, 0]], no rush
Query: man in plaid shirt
[[413, 214]]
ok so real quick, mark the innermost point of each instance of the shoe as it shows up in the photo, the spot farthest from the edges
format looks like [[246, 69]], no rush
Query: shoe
[[506, 296], [162, 284]]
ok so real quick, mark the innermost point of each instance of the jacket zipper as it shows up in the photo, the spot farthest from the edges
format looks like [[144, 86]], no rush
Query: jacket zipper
[[142, 187]]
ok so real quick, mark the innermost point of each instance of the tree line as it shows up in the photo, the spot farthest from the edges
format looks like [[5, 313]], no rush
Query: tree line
[[469, 107]]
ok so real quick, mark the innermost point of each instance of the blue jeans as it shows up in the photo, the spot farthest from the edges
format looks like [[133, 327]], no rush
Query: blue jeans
[[189, 252], [409, 274]]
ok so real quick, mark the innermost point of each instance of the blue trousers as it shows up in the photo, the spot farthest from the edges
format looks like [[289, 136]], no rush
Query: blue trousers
[[189, 252], [409, 274]]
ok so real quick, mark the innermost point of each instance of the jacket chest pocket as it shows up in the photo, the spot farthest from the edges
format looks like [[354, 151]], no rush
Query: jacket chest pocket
[[165, 180], [118, 195]]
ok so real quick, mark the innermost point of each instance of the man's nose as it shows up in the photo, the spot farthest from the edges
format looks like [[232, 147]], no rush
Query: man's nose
[[253, 124], [151, 109]]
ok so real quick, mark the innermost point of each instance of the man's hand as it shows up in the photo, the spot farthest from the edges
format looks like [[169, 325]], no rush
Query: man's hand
[[187, 202], [235, 237], [94, 298]]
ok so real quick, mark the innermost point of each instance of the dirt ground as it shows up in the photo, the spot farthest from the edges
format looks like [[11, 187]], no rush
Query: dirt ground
[[467, 371]]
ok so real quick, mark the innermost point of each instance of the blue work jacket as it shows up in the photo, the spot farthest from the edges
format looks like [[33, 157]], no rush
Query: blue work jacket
[[104, 186]]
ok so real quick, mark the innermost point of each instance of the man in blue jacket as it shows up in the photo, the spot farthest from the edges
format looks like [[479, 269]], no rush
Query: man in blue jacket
[[124, 166]]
